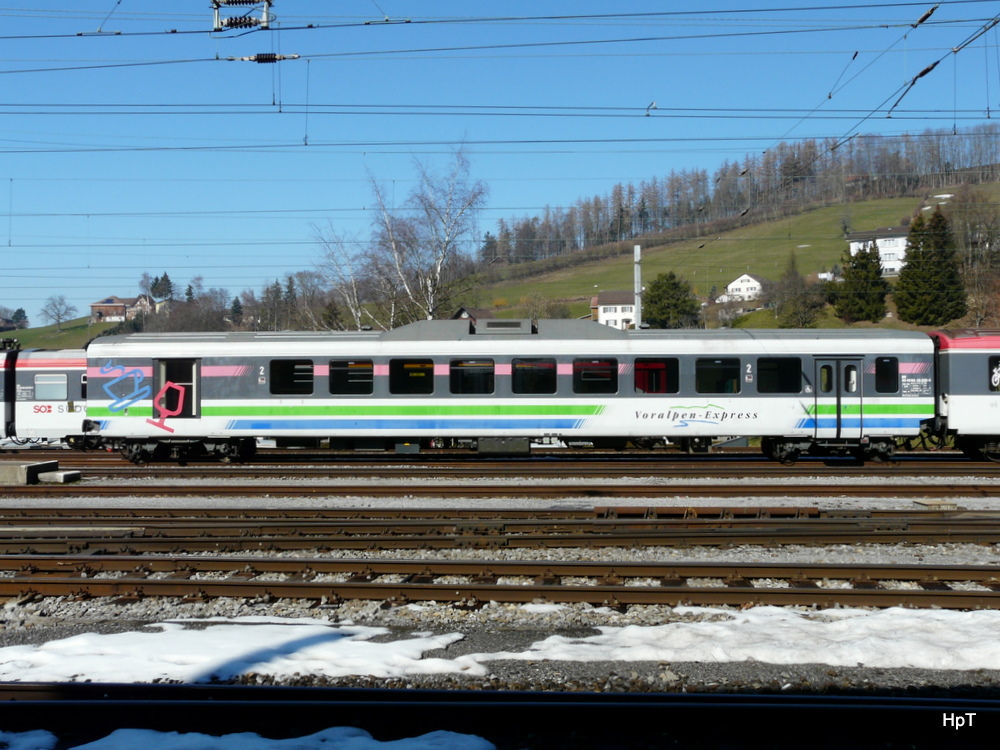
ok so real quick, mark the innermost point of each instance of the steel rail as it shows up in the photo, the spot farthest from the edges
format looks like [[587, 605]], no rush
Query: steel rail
[[674, 513], [475, 582], [479, 490], [106, 533]]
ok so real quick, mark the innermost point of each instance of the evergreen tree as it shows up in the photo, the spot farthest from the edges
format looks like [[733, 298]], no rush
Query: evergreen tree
[[670, 303], [930, 290], [236, 311], [162, 287], [861, 296]]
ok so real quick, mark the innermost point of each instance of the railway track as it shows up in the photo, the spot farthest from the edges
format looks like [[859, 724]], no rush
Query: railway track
[[134, 555], [500, 489], [28, 530], [475, 582], [465, 466]]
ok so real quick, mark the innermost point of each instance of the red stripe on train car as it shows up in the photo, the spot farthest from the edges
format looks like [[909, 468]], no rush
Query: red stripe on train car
[[62, 364], [967, 339]]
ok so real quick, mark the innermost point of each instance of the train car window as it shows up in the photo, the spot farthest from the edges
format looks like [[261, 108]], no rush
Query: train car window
[[411, 376], [887, 375], [851, 379], [83, 387], [779, 375], [826, 379], [51, 387], [291, 377], [352, 377], [533, 375], [595, 376], [717, 375], [994, 374], [471, 376], [657, 375]]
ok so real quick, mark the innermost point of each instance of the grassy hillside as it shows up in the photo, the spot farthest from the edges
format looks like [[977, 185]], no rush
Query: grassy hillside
[[816, 237], [74, 334]]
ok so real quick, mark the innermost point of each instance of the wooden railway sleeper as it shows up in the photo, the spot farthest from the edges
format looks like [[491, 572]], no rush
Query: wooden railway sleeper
[[800, 582], [864, 583], [933, 584]]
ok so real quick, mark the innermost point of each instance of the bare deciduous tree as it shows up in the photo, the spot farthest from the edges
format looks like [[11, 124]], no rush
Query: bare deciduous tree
[[58, 310], [975, 223], [413, 264]]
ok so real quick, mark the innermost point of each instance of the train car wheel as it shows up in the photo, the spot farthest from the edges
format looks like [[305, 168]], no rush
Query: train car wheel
[[991, 452], [136, 453]]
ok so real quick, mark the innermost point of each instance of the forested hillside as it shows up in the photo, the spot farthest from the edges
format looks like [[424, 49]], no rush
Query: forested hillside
[[781, 181]]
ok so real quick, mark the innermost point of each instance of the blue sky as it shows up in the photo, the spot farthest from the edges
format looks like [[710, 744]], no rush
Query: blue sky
[[130, 143]]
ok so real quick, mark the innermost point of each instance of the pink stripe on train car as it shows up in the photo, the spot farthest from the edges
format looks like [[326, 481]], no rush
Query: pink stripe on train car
[[96, 372], [225, 371]]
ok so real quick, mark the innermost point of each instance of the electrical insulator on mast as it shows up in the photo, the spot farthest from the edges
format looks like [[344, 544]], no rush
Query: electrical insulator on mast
[[245, 21]]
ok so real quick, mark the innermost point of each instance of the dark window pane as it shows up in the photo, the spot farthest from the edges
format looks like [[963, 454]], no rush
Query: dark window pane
[[779, 375], [826, 379], [595, 376], [291, 377], [411, 376], [657, 375], [471, 376], [887, 375], [717, 375], [533, 376], [352, 377]]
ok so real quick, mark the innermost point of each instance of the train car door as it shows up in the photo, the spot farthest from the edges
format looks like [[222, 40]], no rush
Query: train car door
[[838, 399], [178, 392]]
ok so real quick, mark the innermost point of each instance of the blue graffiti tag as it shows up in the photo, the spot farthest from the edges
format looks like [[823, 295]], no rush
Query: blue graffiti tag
[[138, 393]]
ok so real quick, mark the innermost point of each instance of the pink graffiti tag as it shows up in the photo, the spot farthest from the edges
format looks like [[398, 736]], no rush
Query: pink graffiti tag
[[159, 403]]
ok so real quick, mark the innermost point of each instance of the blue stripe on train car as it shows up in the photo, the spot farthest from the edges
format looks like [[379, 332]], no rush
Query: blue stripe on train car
[[405, 424]]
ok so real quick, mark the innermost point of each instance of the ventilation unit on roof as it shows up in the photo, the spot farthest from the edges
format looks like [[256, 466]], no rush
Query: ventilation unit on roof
[[504, 326]]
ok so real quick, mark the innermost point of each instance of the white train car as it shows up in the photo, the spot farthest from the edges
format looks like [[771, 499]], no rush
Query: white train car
[[500, 384], [968, 390]]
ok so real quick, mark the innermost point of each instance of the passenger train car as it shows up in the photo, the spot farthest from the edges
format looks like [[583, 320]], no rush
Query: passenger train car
[[499, 385], [968, 382], [44, 392]]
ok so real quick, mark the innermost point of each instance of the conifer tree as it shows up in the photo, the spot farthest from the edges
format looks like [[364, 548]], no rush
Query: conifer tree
[[669, 302], [861, 296], [930, 291]]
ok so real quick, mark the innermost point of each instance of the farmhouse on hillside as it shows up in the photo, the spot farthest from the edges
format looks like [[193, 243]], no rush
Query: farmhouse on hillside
[[891, 244]]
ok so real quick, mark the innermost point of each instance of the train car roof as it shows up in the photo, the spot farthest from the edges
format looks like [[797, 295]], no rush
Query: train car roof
[[967, 338], [535, 338]]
